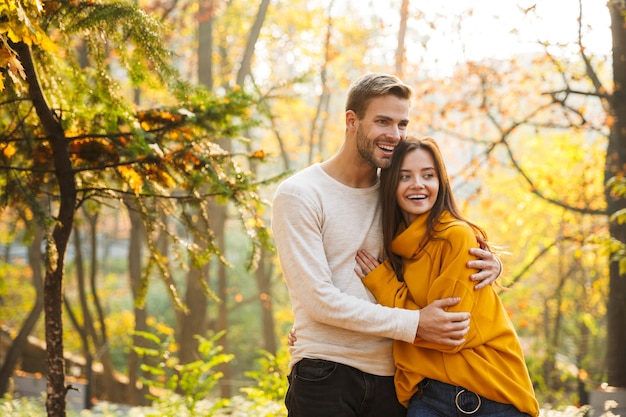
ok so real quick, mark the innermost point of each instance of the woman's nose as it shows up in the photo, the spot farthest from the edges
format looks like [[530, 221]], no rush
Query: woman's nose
[[416, 182]]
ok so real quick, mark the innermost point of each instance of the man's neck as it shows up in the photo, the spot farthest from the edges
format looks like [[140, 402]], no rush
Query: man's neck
[[350, 170]]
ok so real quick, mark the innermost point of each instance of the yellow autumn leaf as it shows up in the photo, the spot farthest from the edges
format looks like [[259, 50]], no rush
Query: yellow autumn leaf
[[622, 266], [16, 68], [255, 222], [164, 328], [260, 154], [132, 178], [167, 180], [9, 150]]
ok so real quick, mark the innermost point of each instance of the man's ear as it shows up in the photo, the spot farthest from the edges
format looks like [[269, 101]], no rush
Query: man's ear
[[351, 119]]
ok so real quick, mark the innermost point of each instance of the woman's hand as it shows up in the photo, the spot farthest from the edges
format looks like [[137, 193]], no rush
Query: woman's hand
[[291, 337], [366, 263]]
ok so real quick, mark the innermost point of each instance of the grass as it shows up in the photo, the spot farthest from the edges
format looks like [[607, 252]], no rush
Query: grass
[[237, 407]]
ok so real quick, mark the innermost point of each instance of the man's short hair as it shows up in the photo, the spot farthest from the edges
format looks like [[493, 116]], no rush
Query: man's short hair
[[373, 85]]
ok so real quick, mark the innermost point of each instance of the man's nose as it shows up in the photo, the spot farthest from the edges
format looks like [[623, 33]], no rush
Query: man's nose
[[396, 133]]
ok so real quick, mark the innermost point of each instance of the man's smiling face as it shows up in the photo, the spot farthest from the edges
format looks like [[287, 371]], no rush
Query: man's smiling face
[[381, 128]]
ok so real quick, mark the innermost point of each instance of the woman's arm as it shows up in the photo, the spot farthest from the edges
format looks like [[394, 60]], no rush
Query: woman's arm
[[488, 264]]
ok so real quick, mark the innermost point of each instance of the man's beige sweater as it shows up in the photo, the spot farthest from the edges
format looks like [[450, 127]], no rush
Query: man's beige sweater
[[318, 225]]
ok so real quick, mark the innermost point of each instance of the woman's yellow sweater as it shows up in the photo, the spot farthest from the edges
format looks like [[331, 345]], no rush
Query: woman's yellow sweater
[[490, 362]]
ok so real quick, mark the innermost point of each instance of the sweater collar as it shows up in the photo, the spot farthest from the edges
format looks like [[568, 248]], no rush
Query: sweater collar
[[407, 242]]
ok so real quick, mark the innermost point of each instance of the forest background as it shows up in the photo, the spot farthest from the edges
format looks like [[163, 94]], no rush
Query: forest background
[[140, 144]]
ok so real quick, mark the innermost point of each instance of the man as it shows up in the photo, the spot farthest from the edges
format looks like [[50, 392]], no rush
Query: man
[[341, 364]]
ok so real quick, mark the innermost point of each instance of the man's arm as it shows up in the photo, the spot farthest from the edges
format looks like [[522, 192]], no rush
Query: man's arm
[[436, 325], [313, 290], [443, 327]]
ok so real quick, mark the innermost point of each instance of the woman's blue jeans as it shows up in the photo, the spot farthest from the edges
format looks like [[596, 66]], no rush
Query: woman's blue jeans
[[438, 399]]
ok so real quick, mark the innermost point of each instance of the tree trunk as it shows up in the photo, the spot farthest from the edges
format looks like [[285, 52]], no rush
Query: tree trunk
[[135, 248], [246, 61], [400, 49], [86, 330], [57, 242], [102, 352], [195, 322], [84, 339], [220, 211], [263, 275], [263, 278], [101, 339], [222, 309], [316, 132], [17, 345], [206, 14], [583, 281], [615, 163]]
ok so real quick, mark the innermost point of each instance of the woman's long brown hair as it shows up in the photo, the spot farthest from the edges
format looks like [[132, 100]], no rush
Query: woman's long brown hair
[[392, 215]]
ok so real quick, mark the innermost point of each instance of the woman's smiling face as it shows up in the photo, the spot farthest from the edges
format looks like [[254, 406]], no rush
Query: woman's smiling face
[[418, 184]]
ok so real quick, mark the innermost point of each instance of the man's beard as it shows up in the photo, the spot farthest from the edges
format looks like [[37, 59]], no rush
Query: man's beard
[[366, 148]]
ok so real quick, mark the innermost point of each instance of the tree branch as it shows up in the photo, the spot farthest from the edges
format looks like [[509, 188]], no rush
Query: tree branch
[[537, 257]]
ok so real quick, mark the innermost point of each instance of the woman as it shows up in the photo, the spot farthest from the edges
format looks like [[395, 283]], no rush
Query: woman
[[426, 242]]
